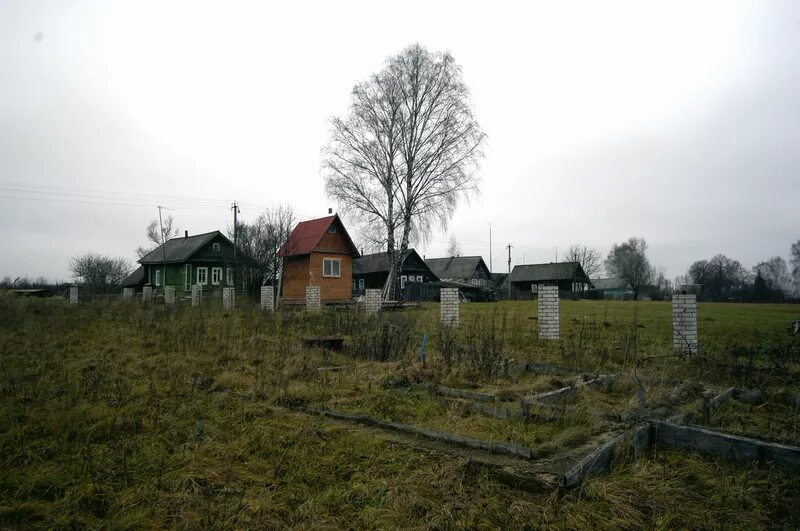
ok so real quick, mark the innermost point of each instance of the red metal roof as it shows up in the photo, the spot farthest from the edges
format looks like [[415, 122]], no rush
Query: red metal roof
[[307, 234]]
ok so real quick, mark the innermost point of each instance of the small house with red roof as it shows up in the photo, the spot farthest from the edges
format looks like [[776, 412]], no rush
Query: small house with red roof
[[318, 252]]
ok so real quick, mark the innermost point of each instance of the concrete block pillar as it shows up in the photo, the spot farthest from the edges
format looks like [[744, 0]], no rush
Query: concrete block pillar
[[228, 299], [313, 301], [684, 323], [449, 306], [127, 293], [197, 294], [372, 301], [147, 294], [73, 295], [268, 298], [548, 312], [169, 295]]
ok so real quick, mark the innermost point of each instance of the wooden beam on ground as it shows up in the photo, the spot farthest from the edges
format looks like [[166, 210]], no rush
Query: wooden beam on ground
[[602, 458], [733, 447], [459, 393], [487, 446], [547, 368]]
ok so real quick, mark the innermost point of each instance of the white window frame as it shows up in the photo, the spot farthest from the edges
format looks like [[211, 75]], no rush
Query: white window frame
[[158, 278], [204, 280], [403, 280], [215, 247], [360, 283], [187, 277], [216, 272], [419, 278], [229, 276], [332, 261]]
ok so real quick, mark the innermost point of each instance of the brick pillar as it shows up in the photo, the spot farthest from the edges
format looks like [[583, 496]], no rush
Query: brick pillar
[[73, 295], [268, 298], [548, 312], [313, 303], [449, 306], [197, 294], [127, 293], [372, 301], [169, 295], [684, 323], [147, 294], [228, 299]]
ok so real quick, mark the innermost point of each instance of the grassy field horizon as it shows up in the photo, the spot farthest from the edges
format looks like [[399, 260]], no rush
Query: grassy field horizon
[[128, 416]]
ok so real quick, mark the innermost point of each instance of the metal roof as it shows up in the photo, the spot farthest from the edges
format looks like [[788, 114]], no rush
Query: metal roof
[[455, 266], [307, 234], [379, 263], [548, 272], [610, 283], [180, 249]]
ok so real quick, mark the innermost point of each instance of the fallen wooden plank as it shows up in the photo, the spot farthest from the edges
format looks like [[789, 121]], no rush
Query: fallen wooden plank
[[333, 368], [733, 447], [497, 412], [559, 394], [602, 458], [458, 393], [547, 368], [452, 438]]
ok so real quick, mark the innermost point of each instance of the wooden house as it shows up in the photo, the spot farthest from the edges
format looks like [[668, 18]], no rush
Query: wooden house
[[370, 271], [204, 259], [470, 270], [568, 276], [318, 252]]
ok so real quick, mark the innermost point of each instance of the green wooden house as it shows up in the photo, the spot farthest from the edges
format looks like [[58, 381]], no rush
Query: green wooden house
[[205, 259]]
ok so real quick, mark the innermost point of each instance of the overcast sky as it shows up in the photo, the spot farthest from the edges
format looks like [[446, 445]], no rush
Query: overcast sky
[[675, 121]]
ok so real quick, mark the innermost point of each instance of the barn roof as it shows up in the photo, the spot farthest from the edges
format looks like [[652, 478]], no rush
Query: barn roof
[[455, 266], [610, 283], [548, 272], [379, 262], [134, 279], [307, 234], [180, 249]]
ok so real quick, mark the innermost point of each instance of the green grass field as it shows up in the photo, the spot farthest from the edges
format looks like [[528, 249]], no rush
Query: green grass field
[[127, 417]]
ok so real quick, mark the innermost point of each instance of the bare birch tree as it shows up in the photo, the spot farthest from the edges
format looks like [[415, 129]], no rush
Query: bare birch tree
[[155, 237], [409, 151], [589, 259]]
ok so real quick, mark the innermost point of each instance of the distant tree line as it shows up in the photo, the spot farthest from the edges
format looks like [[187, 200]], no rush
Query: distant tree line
[[724, 279]]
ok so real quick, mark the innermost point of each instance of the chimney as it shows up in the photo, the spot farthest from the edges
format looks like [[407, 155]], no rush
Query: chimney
[[186, 234], [330, 211]]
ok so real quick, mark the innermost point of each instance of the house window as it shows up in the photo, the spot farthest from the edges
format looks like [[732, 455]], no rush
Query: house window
[[360, 283], [419, 278], [202, 275], [187, 277], [158, 277], [215, 247], [216, 275], [332, 229], [353, 282], [331, 267], [229, 276], [403, 279]]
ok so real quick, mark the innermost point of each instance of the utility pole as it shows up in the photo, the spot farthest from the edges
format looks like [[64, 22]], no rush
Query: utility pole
[[556, 253], [235, 209], [509, 270], [490, 249], [163, 246]]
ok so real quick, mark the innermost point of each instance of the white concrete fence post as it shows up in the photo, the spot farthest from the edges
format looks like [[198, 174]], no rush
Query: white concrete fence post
[[313, 302], [147, 294], [127, 294], [549, 312], [449, 306], [73, 295], [197, 294], [169, 295], [268, 298], [228, 299], [684, 323], [372, 301]]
